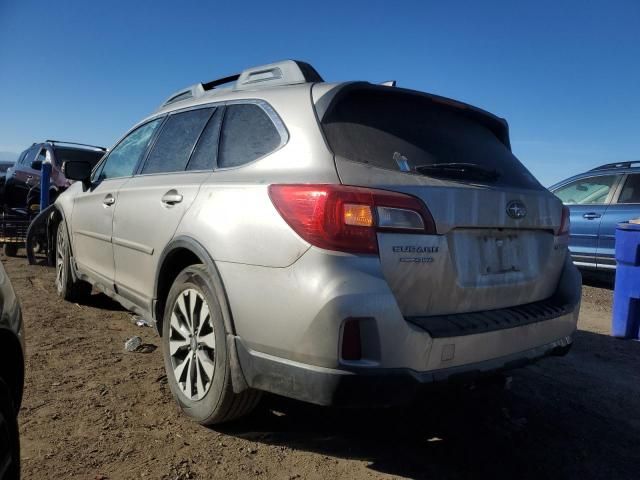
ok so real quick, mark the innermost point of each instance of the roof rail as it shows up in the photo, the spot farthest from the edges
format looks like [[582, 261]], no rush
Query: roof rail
[[608, 166], [286, 72], [53, 142]]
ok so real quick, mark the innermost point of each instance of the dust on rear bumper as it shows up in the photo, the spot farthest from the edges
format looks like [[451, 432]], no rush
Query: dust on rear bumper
[[371, 386]]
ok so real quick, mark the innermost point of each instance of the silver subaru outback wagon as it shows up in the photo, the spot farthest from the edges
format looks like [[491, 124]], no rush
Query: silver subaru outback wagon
[[337, 243]]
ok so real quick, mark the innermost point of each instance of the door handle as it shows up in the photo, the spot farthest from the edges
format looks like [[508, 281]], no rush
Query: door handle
[[591, 215], [171, 197], [109, 200]]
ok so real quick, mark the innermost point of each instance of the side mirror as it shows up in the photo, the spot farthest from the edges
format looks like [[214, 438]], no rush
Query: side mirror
[[77, 170], [36, 164]]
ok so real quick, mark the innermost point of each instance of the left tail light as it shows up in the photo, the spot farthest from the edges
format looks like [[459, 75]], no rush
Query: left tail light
[[346, 219]]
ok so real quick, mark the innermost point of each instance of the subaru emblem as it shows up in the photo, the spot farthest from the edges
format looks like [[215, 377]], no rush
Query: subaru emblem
[[516, 209]]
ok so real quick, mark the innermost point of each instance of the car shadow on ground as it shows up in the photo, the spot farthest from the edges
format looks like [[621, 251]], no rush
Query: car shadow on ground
[[598, 279], [559, 418], [103, 302]]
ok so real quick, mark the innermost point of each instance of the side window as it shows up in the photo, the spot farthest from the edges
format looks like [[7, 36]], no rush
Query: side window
[[29, 157], [592, 190], [21, 157], [42, 156], [123, 159], [176, 140], [247, 134], [631, 191], [206, 151]]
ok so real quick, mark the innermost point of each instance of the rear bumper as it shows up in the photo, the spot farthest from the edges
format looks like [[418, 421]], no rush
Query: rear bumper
[[371, 386], [399, 357]]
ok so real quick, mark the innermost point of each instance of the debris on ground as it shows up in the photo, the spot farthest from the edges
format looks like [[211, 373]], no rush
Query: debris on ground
[[132, 344], [140, 322]]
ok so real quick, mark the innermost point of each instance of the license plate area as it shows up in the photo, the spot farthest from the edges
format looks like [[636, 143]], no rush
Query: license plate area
[[499, 253]]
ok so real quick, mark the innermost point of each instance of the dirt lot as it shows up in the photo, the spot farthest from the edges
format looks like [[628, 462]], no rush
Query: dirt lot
[[93, 411]]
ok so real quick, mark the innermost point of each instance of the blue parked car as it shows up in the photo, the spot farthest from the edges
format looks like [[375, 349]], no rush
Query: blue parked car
[[598, 200]]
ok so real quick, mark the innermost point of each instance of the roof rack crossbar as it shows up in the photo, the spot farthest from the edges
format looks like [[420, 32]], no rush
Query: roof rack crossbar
[[608, 166], [220, 81], [75, 143], [286, 72]]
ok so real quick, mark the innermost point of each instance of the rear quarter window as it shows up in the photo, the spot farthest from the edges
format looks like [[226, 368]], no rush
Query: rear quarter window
[[247, 134]]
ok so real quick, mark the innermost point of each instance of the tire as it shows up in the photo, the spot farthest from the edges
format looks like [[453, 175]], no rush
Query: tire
[[9, 440], [67, 288], [205, 392], [10, 249]]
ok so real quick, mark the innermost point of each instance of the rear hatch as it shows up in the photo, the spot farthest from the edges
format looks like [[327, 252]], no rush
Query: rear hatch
[[495, 244]]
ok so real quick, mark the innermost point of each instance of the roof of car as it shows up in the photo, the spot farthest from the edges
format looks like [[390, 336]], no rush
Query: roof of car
[[617, 166], [266, 82]]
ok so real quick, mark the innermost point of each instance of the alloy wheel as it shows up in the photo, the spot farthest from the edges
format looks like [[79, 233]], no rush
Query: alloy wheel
[[192, 344]]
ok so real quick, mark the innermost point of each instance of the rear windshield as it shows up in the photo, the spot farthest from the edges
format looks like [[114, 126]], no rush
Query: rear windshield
[[399, 130], [64, 154]]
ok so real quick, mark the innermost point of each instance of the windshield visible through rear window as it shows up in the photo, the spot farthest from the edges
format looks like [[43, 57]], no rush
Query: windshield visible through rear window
[[408, 132], [64, 154]]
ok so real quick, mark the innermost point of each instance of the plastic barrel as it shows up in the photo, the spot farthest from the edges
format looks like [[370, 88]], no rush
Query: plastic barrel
[[626, 295], [45, 175]]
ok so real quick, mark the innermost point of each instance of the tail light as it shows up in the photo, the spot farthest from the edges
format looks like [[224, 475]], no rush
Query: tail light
[[346, 219], [565, 221]]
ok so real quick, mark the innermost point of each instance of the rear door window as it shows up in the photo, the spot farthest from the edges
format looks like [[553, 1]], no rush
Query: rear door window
[[247, 134], [417, 134], [631, 190], [176, 141], [206, 151], [587, 191]]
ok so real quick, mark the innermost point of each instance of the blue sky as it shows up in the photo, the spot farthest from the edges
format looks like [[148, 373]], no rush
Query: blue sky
[[566, 75]]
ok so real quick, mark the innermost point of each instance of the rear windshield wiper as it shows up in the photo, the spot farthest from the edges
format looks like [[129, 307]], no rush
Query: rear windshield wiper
[[470, 171]]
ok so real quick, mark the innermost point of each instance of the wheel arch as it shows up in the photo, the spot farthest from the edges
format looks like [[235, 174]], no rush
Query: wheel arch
[[180, 253], [46, 222]]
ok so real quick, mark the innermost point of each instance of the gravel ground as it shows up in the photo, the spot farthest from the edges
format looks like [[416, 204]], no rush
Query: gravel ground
[[93, 411]]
